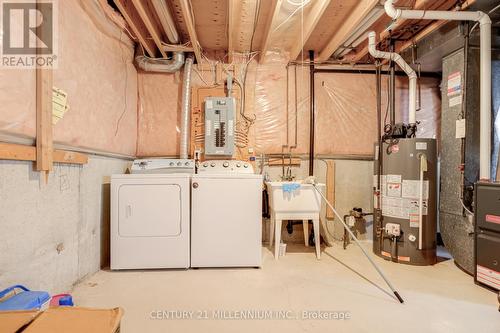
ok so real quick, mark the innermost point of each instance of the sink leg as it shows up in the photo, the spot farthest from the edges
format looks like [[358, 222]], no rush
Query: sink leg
[[317, 237], [305, 225], [271, 230], [277, 238]]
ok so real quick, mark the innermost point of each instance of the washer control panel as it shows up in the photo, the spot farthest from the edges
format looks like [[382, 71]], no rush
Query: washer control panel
[[163, 165], [225, 166]]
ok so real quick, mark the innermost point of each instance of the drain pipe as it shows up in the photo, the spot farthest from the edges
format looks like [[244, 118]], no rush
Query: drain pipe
[[186, 108], [412, 100], [485, 69]]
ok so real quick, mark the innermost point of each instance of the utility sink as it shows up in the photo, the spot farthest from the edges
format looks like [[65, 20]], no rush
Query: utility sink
[[304, 199]]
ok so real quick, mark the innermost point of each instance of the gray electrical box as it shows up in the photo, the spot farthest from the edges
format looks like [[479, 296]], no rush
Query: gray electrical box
[[219, 126]]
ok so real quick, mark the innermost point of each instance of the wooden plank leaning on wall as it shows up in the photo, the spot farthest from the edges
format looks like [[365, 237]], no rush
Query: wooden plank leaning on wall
[[330, 187]]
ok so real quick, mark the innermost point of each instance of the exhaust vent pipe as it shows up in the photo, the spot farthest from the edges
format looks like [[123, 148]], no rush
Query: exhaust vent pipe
[[485, 69], [412, 100]]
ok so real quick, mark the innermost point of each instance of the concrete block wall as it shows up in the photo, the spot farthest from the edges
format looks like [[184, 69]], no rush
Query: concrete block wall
[[57, 233]]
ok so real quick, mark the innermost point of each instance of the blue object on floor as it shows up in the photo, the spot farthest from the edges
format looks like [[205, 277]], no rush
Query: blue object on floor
[[66, 301], [24, 300], [290, 187]]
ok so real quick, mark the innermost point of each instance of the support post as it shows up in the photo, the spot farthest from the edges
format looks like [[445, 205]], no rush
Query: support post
[[312, 112]]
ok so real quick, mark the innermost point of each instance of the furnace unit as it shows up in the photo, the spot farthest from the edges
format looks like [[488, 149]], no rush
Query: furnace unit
[[487, 245]]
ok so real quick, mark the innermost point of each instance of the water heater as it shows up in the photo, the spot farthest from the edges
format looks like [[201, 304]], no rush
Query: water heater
[[406, 201]]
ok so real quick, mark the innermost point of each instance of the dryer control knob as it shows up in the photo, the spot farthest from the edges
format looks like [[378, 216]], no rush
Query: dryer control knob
[[212, 165], [245, 165], [225, 164], [238, 165], [205, 165], [171, 163]]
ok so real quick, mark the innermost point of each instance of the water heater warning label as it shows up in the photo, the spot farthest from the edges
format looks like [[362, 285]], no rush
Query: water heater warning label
[[401, 198]]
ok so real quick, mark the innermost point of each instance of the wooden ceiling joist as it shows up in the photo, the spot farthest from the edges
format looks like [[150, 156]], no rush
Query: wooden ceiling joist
[[147, 15], [234, 7], [134, 20], [189, 20], [310, 23], [273, 15], [357, 16]]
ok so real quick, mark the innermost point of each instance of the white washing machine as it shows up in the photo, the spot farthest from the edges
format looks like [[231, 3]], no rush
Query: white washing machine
[[226, 215], [150, 218]]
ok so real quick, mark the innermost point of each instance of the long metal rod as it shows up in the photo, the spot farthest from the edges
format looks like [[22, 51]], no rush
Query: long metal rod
[[400, 299], [312, 113]]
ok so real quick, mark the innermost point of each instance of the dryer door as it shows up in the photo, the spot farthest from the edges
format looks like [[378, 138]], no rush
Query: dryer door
[[149, 210]]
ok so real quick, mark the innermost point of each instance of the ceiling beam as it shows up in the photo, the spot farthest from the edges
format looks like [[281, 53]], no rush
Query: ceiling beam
[[309, 24], [133, 19], [273, 15], [147, 16], [189, 20], [234, 6], [351, 23]]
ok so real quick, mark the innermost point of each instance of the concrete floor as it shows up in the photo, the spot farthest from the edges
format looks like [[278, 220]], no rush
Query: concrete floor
[[437, 299]]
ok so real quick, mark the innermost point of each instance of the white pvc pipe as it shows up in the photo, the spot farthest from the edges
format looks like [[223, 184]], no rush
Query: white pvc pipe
[[485, 69], [412, 99]]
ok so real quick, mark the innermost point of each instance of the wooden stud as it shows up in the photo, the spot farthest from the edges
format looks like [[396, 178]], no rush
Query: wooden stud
[[134, 21], [44, 143], [44, 119], [70, 157], [310, 23], [147, 13], [232, 19], [279, 161], [330, 187], [273, 15], [189, 20], [11, 151], [358, 14]]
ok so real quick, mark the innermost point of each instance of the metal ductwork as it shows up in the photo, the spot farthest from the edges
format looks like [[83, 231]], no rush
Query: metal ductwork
[[161, 65], [186, 108]]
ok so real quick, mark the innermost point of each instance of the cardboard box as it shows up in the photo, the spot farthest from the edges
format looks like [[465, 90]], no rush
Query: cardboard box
[[62, 320]]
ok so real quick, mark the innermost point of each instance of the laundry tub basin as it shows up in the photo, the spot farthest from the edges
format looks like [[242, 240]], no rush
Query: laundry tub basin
[[304, 199]]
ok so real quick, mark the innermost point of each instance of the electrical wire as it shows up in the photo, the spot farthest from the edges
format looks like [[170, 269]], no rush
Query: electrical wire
[[125, 89], [302, 4]]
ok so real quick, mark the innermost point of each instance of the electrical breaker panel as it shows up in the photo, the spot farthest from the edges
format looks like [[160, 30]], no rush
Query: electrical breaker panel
[[219, 126]]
